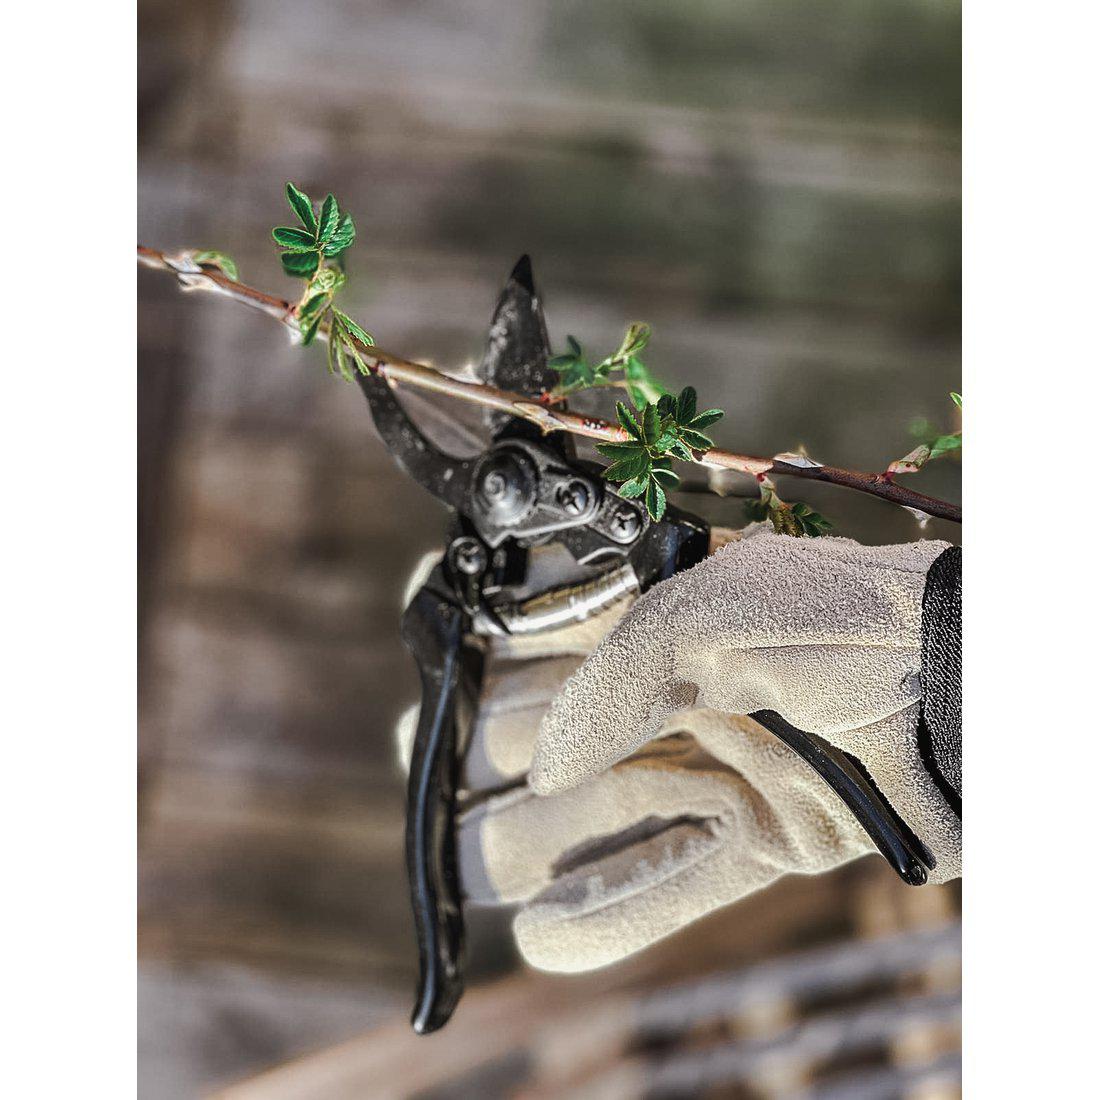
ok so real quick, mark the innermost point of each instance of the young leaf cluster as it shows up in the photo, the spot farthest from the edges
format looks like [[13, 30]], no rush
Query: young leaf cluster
[[322, 236], [318, 237], [668, 428], [798, 520], [342, 334], [932, 444], [576, 373]]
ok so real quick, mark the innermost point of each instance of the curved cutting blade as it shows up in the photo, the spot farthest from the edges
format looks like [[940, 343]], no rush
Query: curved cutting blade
[[444, 475], [518, 348]]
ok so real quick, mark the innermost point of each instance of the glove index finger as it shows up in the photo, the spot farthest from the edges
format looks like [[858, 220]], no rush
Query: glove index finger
[[612, 705]]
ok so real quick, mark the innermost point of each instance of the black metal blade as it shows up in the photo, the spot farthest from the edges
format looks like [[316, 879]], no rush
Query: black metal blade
[[443, 475], [518, 348]]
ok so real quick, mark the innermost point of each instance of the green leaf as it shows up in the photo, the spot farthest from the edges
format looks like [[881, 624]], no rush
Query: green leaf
[[300, 265], [615, 451], [355, 328], [626, 469], [220, 260], [328, 279], [627, 421], [696, 440], [574, 373], [797, 520], [680, 451], [651, 424], [338, 349], [342, 360], [655, 499], [633, 488], [311, 305], [957, 398], [308, 328], [360, 362], [301, 204], [666, 439], [343, 350], [580, 374], [353, 351], [342, 237], [330, 217], [297, 240], [705, 419], [668, 478], [636, 337], [641, 385], [685, 405], [813, 524], [333, 349], [944, 444]]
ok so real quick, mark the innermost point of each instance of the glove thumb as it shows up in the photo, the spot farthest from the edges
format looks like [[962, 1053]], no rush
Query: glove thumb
[[615, 702]]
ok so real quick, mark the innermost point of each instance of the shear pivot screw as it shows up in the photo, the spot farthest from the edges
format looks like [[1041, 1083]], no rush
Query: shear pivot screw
[[573, 498], [469, 556], [625, 524]]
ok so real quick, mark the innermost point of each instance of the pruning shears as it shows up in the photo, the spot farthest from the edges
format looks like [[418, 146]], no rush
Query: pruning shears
[[528, 494]]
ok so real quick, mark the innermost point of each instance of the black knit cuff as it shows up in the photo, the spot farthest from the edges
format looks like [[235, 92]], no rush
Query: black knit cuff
[[940, 734]]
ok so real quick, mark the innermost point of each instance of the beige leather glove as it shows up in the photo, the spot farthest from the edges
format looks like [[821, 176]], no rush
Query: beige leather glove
[[824, 631], [716, 809], [612, 858]]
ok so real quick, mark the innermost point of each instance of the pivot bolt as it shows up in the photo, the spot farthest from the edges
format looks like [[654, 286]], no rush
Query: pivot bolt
[[506, 487], [469, 556], [573, 497], [624, 524], [495, 486]]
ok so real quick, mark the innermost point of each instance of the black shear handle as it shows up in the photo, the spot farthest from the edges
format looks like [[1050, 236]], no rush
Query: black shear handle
[[851, 781], [432, 629]]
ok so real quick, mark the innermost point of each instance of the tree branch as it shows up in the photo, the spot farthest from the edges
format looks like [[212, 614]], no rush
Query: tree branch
[[550, 418]]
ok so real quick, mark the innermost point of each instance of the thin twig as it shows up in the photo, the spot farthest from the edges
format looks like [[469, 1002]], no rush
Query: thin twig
[[549, 417]]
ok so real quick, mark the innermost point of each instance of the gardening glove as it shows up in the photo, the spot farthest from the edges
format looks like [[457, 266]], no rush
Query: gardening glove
[[828, 634], [714, 809]]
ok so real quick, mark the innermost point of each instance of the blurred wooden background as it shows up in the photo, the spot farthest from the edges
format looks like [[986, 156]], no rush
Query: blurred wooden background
[[773, 185]]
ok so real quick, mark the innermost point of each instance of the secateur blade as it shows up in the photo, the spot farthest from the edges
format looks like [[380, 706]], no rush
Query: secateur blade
[[516, 359], [517, 355], [444, 475]]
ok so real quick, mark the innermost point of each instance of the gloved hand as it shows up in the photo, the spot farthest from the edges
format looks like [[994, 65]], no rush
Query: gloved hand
[[715, 807], [714, 810], [825, 632]]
